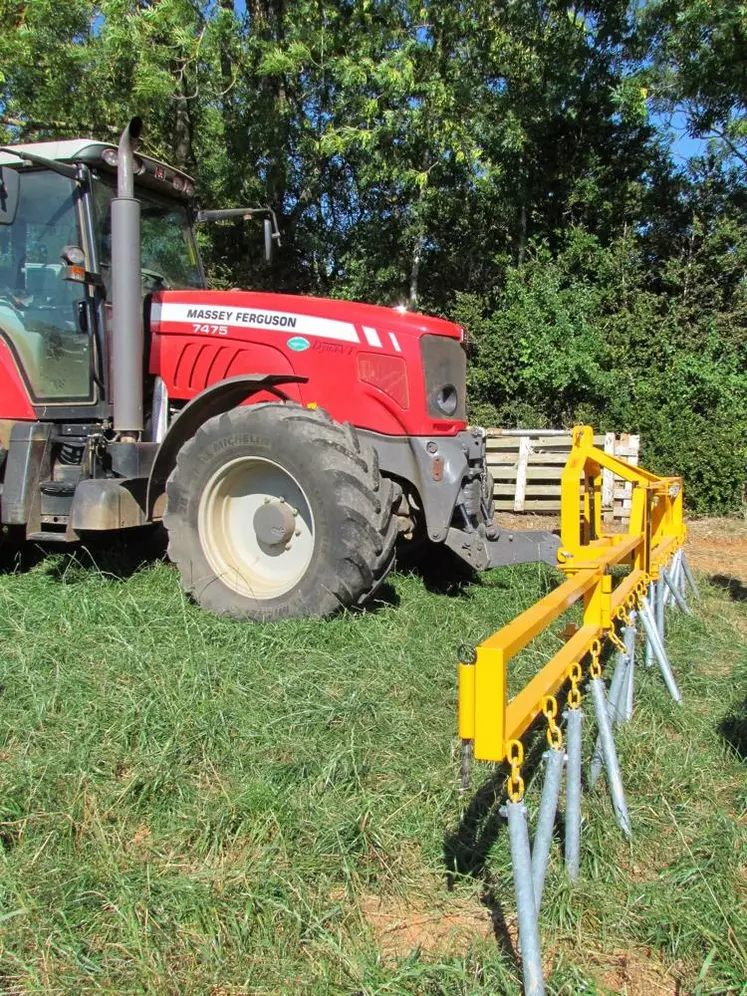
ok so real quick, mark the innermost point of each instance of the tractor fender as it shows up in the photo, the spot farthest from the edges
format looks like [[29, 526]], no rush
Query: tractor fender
[[214, 400]]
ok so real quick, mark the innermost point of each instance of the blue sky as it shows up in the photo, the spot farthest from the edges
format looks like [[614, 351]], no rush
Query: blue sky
[[684, 147]]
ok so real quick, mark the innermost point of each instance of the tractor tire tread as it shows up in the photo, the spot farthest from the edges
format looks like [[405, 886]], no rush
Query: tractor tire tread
[[365, 527]]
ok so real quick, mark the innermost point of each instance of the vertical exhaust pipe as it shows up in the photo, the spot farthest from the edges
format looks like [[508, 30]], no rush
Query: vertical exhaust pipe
[[127, 301]]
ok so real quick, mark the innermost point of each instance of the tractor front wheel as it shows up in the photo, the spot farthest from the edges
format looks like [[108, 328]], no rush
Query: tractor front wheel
[[276, 511]]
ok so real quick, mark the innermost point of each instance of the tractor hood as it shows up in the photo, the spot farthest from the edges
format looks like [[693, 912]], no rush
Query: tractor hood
[[341, 321], [382, 369]]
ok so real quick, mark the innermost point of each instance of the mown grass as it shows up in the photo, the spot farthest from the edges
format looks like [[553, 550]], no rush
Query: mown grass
[[189, 804]]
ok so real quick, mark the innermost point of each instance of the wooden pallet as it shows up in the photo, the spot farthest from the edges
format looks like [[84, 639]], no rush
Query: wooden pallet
[[526, 469]]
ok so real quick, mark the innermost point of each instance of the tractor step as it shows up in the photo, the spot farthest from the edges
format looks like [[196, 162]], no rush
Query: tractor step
[[48, 537]]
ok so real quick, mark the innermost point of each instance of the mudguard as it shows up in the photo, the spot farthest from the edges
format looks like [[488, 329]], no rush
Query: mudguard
[[214, 400]]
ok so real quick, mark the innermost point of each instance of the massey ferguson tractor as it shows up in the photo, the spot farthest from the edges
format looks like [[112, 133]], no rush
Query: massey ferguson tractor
[[286, 443]]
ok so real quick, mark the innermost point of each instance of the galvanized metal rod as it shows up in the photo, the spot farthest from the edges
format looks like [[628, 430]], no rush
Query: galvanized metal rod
[[649, 652], [674, 589], [649, 624], [689, 576], [613, 708], [574, 725], [611, 764], [674, 569], [681, 583], [625, 705], [466, 765], [554, 761], [659, 611], [531, 956]]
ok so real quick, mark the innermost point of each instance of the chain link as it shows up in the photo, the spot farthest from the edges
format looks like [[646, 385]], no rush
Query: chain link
[[554, 733], [514, 782], [595, 669], [574, 695], [616, 641]]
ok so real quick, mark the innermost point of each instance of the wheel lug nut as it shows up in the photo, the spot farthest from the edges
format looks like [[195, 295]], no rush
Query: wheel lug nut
[[287, 546], [265, 500], [297, 532]]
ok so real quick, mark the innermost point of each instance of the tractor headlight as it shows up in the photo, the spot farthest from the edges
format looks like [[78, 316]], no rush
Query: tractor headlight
[[447, 399]]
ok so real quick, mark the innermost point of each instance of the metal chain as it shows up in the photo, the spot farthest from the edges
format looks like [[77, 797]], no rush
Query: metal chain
[[574, 695], [595, 669], [514, 782], [554, 733], [631, 603], [616, 641]]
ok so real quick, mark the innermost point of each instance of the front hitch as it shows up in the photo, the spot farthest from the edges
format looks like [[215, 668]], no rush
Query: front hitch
[[504, 547]]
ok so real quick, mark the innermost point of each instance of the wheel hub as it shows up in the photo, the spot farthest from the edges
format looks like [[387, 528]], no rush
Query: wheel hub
[[256, 527], [274, 523]]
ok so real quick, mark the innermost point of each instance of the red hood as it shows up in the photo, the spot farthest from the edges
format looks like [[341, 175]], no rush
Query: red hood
[[394, 319]]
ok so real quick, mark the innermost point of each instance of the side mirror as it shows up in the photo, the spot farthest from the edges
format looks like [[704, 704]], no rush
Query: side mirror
[[267, 225], [10, 183]]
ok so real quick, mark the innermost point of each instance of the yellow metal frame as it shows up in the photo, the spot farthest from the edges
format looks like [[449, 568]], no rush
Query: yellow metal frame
[[587, 553]]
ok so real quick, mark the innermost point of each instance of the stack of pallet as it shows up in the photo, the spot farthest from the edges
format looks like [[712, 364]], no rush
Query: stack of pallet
[[526, 466]]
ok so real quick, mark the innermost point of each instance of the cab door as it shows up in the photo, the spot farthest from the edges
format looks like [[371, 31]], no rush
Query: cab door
[[40, 310]]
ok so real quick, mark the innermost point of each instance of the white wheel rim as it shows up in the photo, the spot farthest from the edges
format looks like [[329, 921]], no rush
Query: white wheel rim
[[243, 560]]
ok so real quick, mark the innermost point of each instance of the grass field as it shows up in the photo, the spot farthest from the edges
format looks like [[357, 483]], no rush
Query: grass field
[[189, 805]]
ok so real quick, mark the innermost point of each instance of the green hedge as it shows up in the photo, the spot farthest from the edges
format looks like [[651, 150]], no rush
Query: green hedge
[[590, 335]]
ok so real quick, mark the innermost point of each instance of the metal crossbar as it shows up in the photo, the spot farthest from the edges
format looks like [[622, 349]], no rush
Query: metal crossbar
[[487, 718]]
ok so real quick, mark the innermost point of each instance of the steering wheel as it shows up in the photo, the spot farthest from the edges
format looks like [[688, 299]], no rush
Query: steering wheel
[[153, 281]]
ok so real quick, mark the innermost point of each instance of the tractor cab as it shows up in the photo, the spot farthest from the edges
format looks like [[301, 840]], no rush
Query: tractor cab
[[56, 263]]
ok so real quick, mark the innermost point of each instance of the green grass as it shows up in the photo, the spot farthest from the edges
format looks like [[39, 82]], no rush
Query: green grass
[[189, 804]]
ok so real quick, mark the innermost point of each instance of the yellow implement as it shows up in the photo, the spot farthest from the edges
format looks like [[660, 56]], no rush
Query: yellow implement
[[587, 553]]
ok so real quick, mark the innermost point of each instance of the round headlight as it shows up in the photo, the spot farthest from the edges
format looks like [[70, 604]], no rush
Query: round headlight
[[110, 157], [447, 399]]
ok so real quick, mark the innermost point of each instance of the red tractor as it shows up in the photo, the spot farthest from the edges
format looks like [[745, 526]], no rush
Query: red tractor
[[286, 443]]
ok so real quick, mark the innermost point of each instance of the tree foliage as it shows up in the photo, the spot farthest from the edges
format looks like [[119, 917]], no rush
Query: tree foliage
[[494, 162]]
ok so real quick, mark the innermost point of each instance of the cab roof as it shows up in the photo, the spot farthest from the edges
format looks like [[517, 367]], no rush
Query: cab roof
[[153, 173]]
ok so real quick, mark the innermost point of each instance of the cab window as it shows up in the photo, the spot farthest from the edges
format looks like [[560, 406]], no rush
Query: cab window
[[168, 254], [38, 307]]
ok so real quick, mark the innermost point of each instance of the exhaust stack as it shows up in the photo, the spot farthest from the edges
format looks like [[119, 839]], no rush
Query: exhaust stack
[[127, 301]]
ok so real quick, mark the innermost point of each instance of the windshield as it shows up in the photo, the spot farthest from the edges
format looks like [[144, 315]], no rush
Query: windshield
[[169, 256]]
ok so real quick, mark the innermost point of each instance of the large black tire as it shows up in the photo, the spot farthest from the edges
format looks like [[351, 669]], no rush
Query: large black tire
[[249, 564]]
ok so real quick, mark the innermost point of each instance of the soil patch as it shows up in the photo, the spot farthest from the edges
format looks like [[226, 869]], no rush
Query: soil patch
[[401, 925], [634, 973]]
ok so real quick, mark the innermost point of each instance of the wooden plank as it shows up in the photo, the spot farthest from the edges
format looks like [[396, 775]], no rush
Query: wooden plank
[[538, 490], [541, 442], [532, 473], [536, 506], [535, 459]]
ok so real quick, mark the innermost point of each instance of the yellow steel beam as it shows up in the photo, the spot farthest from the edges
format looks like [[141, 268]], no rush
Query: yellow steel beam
[[517, 634], [490, 703], [608, 551], [626, 587], [524, 708]]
